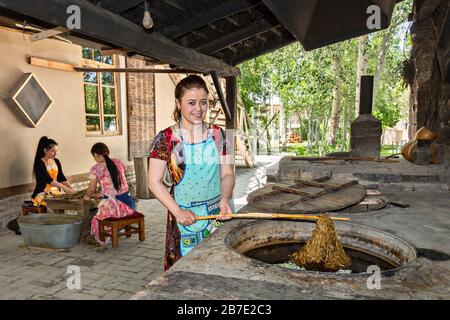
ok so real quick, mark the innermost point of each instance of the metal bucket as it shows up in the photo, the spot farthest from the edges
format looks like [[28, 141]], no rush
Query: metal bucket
[[56, 231]]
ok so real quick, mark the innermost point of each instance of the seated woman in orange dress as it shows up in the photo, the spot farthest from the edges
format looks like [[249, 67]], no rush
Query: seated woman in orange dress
[[110, 174], [50, 179]]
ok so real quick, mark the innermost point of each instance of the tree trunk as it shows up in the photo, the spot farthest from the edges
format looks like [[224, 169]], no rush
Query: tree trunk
[[316, 135], [334, 120], [323, 141], [361, 68], [344, 129], [384, 48], [309, 135]]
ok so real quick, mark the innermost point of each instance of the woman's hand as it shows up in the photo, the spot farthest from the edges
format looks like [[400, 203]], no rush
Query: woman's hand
[[225, 210], [68, 190], [185, 217], [98, 195], [87, 198]]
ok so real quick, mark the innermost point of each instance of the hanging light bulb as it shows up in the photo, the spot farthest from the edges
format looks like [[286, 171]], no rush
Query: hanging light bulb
[[147, 21]]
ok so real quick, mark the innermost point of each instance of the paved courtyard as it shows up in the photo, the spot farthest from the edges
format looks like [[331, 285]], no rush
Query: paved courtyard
[[109, 274]]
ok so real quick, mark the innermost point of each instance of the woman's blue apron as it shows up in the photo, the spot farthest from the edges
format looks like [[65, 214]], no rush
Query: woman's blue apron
[[199, 191]]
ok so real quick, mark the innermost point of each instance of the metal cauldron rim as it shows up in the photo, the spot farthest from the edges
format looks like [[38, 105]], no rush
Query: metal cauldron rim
[[386, 272]]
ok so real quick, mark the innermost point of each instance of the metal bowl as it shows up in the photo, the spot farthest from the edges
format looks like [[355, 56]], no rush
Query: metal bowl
[[56, 231]]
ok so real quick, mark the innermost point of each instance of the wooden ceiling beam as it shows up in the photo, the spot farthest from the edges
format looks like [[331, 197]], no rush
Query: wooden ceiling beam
[[105, 26], [175, 5], [246, 53], [206, 18], [119, 6], [236, 37], [232, 21]]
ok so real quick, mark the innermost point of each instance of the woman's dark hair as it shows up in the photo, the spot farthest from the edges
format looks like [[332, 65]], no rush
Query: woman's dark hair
[[44, 143], [102, 149], [192, 81]]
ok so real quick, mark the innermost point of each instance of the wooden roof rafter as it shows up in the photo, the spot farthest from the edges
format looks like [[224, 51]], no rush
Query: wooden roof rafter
[[202, 19], [103, 25], [119, 6], [248, 49], [235, 37]]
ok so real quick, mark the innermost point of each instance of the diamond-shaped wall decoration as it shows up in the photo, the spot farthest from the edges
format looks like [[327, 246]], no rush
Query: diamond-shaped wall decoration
[[31, 99]]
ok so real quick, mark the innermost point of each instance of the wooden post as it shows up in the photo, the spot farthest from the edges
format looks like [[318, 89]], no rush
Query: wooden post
[[231, 96], [141, 171]]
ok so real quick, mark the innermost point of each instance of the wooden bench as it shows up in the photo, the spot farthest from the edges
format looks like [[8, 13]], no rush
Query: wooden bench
[[115, 224], [28, 208]]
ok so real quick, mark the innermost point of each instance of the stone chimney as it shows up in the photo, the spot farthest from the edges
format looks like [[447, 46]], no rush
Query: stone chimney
[[366, 130]]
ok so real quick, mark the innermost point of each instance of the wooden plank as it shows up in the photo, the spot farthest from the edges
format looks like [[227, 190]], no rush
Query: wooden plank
[[39, 62], [131, 70], [141, 169], [329, 202], [48, 33], [297, 191], [327, 186], [113, 51], [105, 26], [372, 192]]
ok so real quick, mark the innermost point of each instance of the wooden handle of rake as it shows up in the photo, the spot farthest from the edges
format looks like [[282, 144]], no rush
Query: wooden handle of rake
[[270, 216]]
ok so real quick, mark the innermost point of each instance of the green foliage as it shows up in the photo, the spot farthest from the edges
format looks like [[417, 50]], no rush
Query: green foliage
[[304, 82]]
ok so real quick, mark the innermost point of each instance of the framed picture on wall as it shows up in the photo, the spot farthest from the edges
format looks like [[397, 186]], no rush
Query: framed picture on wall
[[31, 99]]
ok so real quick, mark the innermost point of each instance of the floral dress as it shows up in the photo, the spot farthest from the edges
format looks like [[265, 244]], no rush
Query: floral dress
[[195, 172], [109, 207]]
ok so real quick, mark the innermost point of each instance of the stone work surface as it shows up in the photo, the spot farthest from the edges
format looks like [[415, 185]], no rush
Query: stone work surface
[[419, 213], [397, 172], [226, 274]]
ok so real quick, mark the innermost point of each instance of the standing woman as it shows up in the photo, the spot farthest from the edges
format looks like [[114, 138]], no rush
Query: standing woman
[[110, 174], [48, 172], [200, 164]]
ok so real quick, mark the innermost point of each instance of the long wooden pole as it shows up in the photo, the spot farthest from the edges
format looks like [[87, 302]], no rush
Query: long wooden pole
[[270, 216], [341, 158], [132, 70]]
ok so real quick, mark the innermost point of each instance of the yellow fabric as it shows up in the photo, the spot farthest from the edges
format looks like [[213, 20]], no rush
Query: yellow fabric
[[39, 200]]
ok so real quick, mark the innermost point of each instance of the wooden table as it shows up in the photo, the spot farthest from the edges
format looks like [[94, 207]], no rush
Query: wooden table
[[83, 207]]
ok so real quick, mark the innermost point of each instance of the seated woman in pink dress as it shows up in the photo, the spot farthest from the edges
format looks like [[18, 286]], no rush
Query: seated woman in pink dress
[[110, 174]]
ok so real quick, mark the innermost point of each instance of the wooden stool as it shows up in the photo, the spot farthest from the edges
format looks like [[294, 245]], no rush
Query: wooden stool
[[118, 223], [28, 208]]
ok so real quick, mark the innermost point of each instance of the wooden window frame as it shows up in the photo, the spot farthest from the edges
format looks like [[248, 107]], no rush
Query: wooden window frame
[[90, 63]]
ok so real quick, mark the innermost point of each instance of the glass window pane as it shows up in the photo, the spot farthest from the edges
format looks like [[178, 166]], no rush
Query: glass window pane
[[90, 77], [107, 59], [87, 53], [109, 103], [91, 99], [110, 124], [108, 78], [92, 123], [97, 55]]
